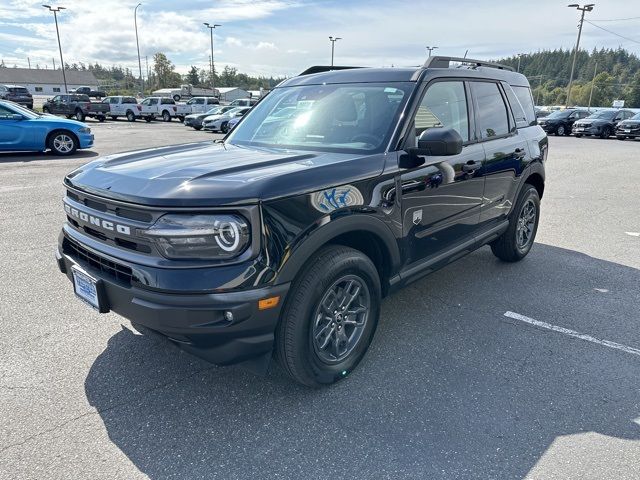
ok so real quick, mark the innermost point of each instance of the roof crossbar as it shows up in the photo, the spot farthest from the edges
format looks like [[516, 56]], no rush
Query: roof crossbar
[[445, 62]]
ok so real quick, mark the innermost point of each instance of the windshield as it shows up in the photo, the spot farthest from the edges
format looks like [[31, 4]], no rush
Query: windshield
[[606, 114], [24, 111], [343, 117], [559, 114], [635, 117], [213, 111]]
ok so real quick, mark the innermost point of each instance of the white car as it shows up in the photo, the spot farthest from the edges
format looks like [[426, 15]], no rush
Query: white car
[[219, 123], [120, 106], [163, 107], [202, 104]]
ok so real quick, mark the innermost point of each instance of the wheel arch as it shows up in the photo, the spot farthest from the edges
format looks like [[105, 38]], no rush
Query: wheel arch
[[361, 232], [60, 130], [537, 181]]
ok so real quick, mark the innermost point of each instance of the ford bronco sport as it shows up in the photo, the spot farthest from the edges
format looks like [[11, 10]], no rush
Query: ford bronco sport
[[336, 189]]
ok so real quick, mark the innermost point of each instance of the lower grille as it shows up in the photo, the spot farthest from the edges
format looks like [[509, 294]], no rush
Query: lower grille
[[107, 267]]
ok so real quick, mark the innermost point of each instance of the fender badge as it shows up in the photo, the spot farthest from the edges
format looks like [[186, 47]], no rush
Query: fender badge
[[338, 197]]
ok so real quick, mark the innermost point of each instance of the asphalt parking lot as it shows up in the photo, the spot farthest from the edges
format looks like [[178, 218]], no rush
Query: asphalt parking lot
[[451, 388]]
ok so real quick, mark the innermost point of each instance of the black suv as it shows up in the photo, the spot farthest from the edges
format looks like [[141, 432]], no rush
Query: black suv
[[17, 94], [335, 190], [561, 122]]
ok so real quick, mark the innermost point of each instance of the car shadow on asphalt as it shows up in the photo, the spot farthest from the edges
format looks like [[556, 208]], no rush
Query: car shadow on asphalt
[[26, 157], [449, 389]]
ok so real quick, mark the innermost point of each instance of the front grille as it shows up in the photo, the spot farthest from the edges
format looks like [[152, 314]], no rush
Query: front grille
[[110, 269]]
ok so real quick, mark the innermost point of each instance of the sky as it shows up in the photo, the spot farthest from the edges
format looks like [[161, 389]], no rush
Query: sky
[[283, 37]]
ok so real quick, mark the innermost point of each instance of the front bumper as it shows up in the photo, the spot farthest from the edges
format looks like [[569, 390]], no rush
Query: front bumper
[[633, 132], [85, 139], [195, 322], [592, 130]]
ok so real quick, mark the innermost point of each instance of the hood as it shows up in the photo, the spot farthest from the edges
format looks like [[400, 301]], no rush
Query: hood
[[206, 174]]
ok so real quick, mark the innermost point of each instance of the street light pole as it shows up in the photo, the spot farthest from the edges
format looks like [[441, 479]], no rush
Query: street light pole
[[213, 68], [55, 10], [595, 70], [333, 41], [135, 21], [519, 57], [586, 8], [431, 49]]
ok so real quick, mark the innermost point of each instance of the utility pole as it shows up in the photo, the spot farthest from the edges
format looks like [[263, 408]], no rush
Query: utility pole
[[135, 21], [519, 57], [29, 62], [431, 49], [55, 11], [54, 63], [333, 41], [595, 70], [213, 65], [586, 8]]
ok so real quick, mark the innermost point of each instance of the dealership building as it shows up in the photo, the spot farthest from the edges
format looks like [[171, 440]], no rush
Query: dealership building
[[46, 82]]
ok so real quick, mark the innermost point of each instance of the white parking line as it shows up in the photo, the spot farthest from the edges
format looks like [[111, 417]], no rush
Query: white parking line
[[573, 333]]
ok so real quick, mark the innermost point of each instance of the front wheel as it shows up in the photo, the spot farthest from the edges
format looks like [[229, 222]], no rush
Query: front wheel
[[224, 128], [560, 131], [330, 317], [198, 127], [578, 135], [45, 110], [606, 132], [148, 119], [102, 118], [63, 143], [516, 242]]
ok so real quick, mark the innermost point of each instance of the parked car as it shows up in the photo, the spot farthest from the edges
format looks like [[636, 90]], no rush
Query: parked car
[[185, 91], [541, 113], [629, 128], [22, 129], [120, 106], [561, 122], [244, 102], [601, 123], [284, 240], [231, 124], [17, 94], [202, 104], [78, 106], [195, 119], [163, 107], [90, 93], [218, 123]]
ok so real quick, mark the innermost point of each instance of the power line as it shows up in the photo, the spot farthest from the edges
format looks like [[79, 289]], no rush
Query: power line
[[613, 33], [616, 19]]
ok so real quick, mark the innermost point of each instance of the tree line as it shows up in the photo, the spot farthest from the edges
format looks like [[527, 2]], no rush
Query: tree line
[[617, 76]]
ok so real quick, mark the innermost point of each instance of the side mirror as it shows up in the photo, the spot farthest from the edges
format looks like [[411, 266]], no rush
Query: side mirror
[[433, 142]]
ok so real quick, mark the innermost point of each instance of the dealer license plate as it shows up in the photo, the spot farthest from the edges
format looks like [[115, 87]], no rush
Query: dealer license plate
[[85, 287]]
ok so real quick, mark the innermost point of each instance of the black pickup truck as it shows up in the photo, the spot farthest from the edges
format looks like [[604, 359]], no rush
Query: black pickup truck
[[335, 190], [78, 106], [91, 93]]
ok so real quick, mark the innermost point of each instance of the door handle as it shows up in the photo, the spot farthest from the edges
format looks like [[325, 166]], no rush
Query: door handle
[[471, 166], [519, 153]]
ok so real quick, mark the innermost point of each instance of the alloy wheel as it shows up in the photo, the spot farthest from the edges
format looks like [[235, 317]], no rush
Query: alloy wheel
[[340, 319], [526, 224], [63, 143]]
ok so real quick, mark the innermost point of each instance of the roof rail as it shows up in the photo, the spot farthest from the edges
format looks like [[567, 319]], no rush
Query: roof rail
[[444, 62], [324, 68]]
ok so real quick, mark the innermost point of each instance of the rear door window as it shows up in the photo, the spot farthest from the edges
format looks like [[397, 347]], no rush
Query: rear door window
[[491, 111]]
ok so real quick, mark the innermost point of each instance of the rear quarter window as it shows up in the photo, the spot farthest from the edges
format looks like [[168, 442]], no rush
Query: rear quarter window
[[129, 100], [526, 102]]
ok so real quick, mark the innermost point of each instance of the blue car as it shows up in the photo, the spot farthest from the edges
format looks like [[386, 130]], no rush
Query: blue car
[[22, 129]]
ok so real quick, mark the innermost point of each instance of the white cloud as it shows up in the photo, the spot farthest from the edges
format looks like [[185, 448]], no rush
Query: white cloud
[[266, 46], [233, 41]]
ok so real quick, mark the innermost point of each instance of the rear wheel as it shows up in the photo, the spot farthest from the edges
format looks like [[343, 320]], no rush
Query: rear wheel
[[131, 116], [62, 143], [79, 115], [606, 132], [330, 317], [102, 118], [516, 242], [166, 116]]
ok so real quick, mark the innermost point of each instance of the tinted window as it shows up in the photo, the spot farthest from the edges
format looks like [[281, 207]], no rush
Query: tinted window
[[167, 101], [129, 100], [493, 119], [56, 89], [526, 101], [20, 90], [153, 101], [444, 105], [516, 107]]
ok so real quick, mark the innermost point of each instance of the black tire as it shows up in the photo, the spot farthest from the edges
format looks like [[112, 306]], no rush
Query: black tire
[[131, 117], [508, 247], [606, 132], [45, 110], [620, 137], [578, 135], [181, 119], [114, 117], [148, 119], [295, 347], [198, 127], [102, 118], [224, 128], [62, 142], [166, 116], [176, 98], [80, 116], [561, 130]]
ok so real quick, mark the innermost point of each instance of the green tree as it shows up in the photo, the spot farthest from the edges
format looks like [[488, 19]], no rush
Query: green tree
[[165, 71], [193, 77]]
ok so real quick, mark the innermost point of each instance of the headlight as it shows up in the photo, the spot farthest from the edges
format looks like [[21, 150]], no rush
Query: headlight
[[84, 130], [199, 236]]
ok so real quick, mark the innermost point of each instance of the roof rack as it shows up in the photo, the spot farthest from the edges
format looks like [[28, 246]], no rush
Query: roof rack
[[445, 62], [324, 68]]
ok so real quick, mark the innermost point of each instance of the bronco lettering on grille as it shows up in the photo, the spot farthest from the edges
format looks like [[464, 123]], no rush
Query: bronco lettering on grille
[[97, 221]]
